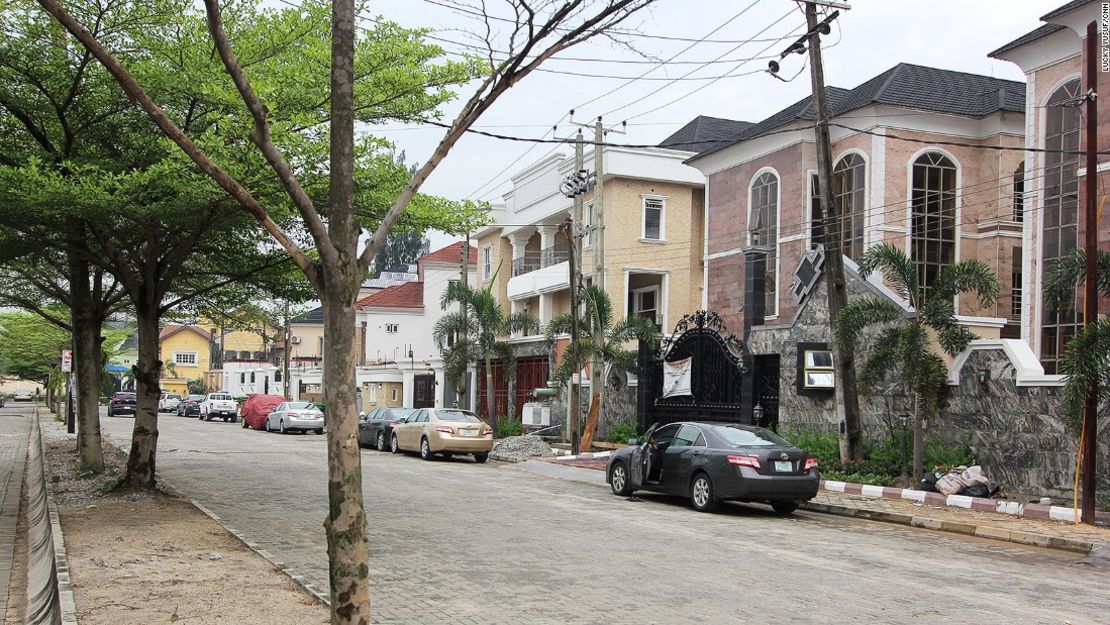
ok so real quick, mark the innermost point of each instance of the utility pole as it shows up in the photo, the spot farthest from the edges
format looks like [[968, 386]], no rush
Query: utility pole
[[287, 335], [575, 407], [597, 384], [1089, 436], [847, 403], [464, 274]]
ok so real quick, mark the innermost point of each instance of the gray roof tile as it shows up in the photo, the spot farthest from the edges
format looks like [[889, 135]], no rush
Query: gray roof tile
[[704, 133]]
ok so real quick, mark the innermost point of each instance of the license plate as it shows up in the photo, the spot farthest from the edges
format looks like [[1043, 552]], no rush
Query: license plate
[[468, 432], [784, 466]]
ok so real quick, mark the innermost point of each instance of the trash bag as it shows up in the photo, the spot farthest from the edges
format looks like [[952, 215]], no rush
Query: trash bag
[[928, 483], [976, 490], [951, 484]]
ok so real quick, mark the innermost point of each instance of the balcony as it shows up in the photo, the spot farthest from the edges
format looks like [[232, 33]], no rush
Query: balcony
[[534, 261]]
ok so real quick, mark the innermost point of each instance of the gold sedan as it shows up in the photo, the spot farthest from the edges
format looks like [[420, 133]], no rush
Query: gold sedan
[[447, 431]]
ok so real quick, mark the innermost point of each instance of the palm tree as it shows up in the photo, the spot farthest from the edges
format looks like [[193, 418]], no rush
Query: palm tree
[[609, 351], [478, 335], [904, 345], [1086, 357]]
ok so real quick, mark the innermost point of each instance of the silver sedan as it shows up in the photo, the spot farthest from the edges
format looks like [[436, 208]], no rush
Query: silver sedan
[[295, 415]]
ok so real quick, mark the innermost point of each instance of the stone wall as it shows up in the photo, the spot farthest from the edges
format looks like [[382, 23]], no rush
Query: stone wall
[[1015, 431]]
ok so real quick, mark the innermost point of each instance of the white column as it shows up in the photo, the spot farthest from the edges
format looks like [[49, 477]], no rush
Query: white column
[[547, 235], [547, 304]]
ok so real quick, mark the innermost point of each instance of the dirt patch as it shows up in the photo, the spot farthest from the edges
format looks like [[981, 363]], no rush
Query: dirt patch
[[142, 559]]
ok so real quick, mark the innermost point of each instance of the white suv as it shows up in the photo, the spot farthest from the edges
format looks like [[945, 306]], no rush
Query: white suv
[[218, 405]]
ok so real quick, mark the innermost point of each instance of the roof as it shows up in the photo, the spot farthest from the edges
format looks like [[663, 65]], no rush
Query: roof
[[904, 86], [404, 295], [704, 133], [450, 254], [316, 315], [1067, 8], [1028, 37], [171, 329], [130, 343]]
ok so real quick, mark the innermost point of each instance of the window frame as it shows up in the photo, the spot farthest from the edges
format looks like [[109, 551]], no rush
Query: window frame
[[636, 293], [179, 363], [662, 208], [920, 201], [487, 263], [801, 387], [764, 179], [850, 183]]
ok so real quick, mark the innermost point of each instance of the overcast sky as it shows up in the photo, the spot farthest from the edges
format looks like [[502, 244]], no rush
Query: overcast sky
[[871, 37]]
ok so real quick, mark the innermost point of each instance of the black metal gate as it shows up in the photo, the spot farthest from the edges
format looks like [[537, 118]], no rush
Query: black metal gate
[[716, 373], [424, 391]]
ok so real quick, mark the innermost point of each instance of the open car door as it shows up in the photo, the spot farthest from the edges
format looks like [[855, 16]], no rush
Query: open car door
[[639, 460]]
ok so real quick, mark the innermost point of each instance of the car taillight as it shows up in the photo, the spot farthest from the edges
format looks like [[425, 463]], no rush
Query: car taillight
[[811, 463], [445, 428], [487, 430], [744, 461]]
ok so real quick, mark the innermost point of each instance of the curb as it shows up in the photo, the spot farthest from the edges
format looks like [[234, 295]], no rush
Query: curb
[[61, 562], [968, 529], [300, 581]]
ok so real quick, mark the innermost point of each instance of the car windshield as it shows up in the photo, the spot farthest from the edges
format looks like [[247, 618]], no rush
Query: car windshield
[[394, 415], [125, 395], [222, 397], [747, 436], [196, 397], [461, 416], [301, 405]]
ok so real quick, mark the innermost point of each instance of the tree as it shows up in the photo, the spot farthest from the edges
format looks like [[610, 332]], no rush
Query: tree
[[610, 351], [31, 348], [401, 248], [338, 266], [478, 336], [904, 346]]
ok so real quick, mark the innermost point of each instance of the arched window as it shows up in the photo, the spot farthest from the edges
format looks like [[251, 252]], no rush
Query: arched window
[[1060, 234], [933, 237], [849, 184], [763, 227], [1019, 193]]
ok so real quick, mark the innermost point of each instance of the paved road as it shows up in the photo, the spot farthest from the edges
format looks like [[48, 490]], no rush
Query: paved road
[[455, 542], [15, 427]]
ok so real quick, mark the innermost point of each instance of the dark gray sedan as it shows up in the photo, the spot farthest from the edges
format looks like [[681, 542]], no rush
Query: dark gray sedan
[[714, 462], [376, 429]]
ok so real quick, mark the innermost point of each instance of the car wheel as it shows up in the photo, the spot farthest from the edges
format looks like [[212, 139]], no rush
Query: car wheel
[[784, 507], [701, 493], [245, 425], [480, 458], [281, 426], [618, 479], [394, 446], [319, 431], [426, 450], [381, 441], [267, 426]]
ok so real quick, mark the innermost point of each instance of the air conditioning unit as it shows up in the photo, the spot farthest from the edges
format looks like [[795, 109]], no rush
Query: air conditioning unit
[[536, 414], [296, 340]]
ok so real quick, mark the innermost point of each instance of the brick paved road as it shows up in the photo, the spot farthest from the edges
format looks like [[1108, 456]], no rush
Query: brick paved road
[[15, 426], [553, 551]]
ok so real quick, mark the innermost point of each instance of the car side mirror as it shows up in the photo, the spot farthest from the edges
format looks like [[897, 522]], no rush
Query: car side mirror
[[403, 420], [633, 442], [361, 415]]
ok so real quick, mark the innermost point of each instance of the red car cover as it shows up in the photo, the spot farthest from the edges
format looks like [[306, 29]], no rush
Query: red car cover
[[257, 408]]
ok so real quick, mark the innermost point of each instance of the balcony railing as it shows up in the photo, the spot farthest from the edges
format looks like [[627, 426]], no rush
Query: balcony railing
[[524, 264], [554, 255]]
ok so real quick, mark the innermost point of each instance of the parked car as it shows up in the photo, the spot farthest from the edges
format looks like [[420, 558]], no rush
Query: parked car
[[447, 431], [168, 402], [22, 394], [376, 429], [217, 405], [190, 406], [713, 462], [291, 416], [121, 404], [254, 411]]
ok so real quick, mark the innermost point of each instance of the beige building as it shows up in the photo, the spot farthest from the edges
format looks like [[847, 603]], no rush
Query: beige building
[[653, 242]]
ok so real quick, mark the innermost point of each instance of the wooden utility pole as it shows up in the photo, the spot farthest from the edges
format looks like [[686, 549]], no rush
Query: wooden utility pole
[[574, 410], [597, 365], [1089, 436], [847, 399], [464, 273], [287, 345]]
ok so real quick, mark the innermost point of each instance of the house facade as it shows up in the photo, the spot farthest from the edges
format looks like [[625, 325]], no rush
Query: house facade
[[653, 236], [185, 351]]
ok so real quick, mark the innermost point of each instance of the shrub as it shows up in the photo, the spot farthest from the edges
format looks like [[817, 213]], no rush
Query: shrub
[[882, 461], [622, 431], [506, 427]]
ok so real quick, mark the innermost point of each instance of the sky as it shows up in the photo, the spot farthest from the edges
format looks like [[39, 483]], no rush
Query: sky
[[868, 39]]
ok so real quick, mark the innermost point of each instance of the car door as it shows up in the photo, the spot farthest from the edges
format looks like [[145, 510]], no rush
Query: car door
[[364, 433], [638, 459], [270, 422], [409, 428], [679, 457]]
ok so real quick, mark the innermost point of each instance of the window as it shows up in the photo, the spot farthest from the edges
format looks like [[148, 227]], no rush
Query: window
[[589, 224], [394, 394], [763, 229], [252, 377], [320, 346], [748, 436], [645, 303], [849, 186], [689, 436], [665, 434], [816, 212], [185, 359], [653, 224], [487, 262], [1060, 234], [373, 393], [1019, 193], [1015, 284], [242, 378], [933, 237], [391, 328], [817, 369]]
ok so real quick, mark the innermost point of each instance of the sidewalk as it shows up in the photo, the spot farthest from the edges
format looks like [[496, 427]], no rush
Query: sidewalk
[[984, 524], [14, 431]]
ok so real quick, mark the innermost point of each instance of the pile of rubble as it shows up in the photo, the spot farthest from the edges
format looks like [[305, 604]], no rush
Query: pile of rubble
[[519, 448]]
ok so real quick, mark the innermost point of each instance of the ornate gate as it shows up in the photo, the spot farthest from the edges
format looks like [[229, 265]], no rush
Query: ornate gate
[[717, 370]]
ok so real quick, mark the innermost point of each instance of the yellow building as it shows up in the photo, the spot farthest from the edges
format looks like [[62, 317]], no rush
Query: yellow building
[[185, 351]]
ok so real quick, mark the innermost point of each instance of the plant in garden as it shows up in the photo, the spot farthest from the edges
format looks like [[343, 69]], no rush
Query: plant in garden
[[904, 346]]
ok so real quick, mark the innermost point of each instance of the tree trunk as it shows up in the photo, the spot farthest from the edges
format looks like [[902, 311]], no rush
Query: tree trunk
[[591, 423], [918, 439], [147, 370], [87, 366], [491, 399]]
